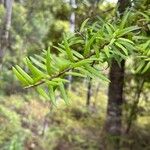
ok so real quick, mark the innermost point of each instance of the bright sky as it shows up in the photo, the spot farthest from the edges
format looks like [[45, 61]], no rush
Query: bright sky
[[113, 1]]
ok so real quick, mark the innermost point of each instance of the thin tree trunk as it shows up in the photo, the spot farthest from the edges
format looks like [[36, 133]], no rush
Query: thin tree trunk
[[72, 16], [94, 7], [2, 2], [96, 94], [5, 28], [133, 111], [72, 29], [89, 92], [113, 124]]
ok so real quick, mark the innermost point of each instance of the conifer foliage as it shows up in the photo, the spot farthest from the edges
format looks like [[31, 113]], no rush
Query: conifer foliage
[[99, 43]]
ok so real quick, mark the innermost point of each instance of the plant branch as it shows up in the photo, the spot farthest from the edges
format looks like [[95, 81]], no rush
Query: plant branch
[[63, 72]]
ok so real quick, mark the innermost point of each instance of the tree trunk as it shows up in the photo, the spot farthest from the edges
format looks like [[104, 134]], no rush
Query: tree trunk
[[72, 29], [115, 101], [133, 111], [5, 28], [2, 2], [89, 92], [72, 16], [113, 124]]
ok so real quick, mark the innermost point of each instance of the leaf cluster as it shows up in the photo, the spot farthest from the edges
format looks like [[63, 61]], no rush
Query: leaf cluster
[[99, 43]]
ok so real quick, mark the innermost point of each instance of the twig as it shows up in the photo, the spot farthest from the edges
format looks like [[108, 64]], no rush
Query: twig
[[61, 73]]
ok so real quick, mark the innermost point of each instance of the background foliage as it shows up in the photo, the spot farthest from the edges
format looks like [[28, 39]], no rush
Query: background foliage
[[41, 30]]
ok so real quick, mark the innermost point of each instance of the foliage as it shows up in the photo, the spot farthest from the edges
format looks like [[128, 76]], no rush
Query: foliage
[[99, 42], [11, 130], [41, 29], [75, 127]]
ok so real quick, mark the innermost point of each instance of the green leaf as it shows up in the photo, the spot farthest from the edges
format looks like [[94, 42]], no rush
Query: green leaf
[[60, 50], [109, 29], [75, 74], [106, 51], [63, 93], [112, 41], [38, 64], [52, 94], [96, 49], [117, 52], [24, 74], [85, 72], [75, 40], [121, 47], [113, 28], [77, 54], [144, 15], [94, 27], [124, 19], [88, 44], [68, 50], [128, 30], [139, 68], [81, 63], [43, 93], [118, 59], [83, 25], [146, 44], [116, 33], [62, 63], [126, 40], [140, 38], [44, 52], [23, 81], [48, 62], [40, 58], [146, 67], [53, 83], [60, 80], [96, 73], [128, 46], [34, 70]]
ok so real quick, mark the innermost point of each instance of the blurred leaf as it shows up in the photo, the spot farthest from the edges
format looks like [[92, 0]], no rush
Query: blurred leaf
[[52, 94], [48, 62], [24, 74], [128, 30], [38, 63], [83, 25], [35, 71], [43, 93], [80, 63], [146, 67], [77, 54], [124, 19], [68, 50], [20, 77], [96, 73], [75, 74], [122, 48], [63, 93]]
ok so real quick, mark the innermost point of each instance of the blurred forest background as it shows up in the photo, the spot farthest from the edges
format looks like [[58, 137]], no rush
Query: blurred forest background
[[30, 122]]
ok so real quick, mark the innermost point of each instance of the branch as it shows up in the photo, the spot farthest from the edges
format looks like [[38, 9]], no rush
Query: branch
[[63, 72], [51, 78]]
